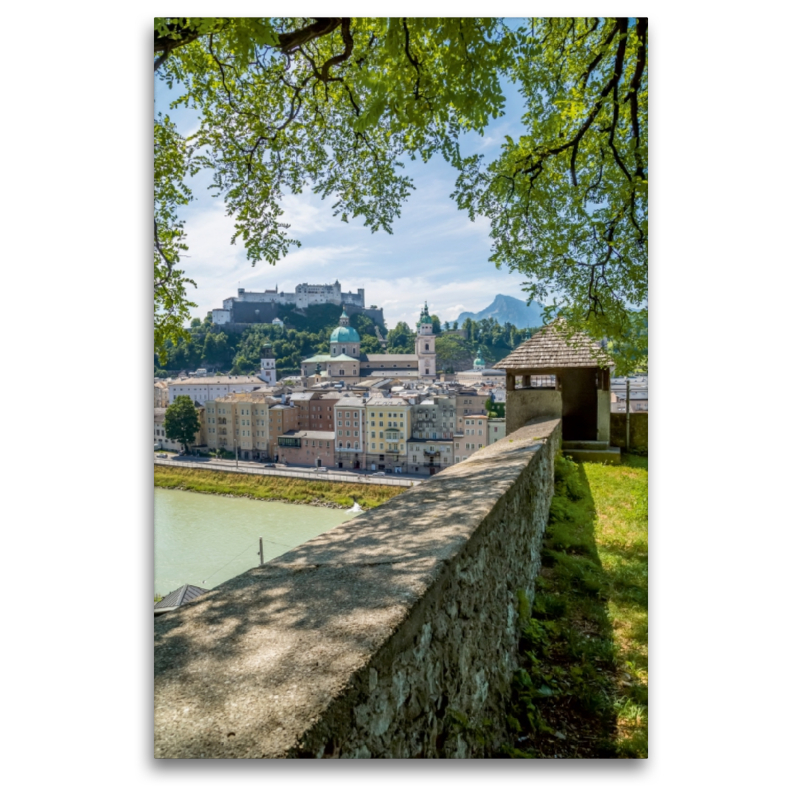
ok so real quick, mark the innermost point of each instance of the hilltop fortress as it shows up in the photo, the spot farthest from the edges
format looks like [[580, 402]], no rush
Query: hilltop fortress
[[249, 307]]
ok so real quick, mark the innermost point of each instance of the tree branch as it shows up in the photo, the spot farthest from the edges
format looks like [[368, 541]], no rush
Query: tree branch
[[287, 42], [411, 58]]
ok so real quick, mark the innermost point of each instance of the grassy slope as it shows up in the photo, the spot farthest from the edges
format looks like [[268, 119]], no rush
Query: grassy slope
[[583, 692], [291, 490]]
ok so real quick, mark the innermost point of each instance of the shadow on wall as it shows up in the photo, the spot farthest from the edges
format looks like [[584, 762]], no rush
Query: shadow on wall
[[315, 615]]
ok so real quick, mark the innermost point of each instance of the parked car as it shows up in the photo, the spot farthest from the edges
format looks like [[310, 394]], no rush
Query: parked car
[[322, 469], [377, 475], [161, 455], [269, 465]]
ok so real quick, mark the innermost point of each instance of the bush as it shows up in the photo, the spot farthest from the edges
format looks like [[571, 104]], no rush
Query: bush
[[561, 510]]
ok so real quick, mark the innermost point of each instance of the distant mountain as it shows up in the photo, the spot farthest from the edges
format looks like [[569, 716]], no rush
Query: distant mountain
[[508, 309]]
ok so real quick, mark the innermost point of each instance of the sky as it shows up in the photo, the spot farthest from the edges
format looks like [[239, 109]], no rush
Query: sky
[[435, 253]]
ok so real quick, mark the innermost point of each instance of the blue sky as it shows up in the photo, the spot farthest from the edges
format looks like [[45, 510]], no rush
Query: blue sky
[[435, 253]]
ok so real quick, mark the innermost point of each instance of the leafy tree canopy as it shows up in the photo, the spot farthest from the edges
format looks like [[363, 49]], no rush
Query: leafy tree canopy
[[334, 103], [181, 421]]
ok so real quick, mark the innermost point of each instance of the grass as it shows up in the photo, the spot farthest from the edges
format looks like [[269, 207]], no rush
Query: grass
[[583, 690], [267, 487]]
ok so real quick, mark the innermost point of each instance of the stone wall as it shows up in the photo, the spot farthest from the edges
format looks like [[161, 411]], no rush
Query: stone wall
[[525, 404], [638, 430], [393, 635]]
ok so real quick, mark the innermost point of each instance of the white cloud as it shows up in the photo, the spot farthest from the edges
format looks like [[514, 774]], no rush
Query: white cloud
[[306, 213]]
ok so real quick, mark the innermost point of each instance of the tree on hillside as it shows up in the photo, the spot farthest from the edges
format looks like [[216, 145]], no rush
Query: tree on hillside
[[182, 422], [400, 339], [333, 103], [452, 352]]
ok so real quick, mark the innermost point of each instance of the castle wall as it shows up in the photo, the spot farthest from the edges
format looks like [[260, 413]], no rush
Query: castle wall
[[394, 635]]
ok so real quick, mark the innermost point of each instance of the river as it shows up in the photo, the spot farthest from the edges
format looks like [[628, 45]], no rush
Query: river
[[205, 539]]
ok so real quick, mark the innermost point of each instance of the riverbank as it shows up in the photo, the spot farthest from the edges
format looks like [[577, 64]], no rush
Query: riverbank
[[266, 487]]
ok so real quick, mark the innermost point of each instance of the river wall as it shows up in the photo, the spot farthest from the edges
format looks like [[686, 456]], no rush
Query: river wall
[[393, 635]]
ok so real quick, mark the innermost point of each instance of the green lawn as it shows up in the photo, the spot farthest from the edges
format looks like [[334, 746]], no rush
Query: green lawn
[[583, 691], [272, 487]]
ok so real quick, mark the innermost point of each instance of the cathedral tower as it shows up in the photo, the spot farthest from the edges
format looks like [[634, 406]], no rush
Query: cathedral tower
[[426, 345]]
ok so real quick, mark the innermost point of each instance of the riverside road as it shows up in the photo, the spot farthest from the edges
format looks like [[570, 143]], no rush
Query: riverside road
[[303, 473]]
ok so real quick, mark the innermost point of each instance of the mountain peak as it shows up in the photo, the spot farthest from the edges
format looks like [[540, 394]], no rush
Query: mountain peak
[[505, 308]]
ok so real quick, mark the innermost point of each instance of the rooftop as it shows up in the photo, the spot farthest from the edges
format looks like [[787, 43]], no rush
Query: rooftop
[[554, 347], [309, 434], [216, 380], [247, 397]]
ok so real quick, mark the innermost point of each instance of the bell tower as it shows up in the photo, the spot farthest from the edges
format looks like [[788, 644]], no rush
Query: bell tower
[[268, 372], [425, 345]]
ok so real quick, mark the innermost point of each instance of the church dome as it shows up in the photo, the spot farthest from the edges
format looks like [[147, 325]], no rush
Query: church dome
[[344, 333], [479, 363], [424, 317]]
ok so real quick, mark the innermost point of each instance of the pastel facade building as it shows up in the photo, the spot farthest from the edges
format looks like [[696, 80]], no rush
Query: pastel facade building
[[303, 448], [240, 422], [350, 422], [388, 425], [204, 389]]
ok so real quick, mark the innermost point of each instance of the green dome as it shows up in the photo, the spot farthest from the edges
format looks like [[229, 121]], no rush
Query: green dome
[[479, 363], [424, 317], [344, 333]]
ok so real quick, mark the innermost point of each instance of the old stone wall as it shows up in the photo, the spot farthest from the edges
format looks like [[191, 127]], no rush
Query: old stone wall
[[393, 635], [526, 404], [638, 430]]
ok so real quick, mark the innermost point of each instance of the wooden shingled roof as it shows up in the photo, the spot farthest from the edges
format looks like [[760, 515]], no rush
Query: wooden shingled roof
[[553, 347], [178, 597]]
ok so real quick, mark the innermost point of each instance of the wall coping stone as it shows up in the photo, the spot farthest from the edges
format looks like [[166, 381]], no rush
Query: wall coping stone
[[248, 669]]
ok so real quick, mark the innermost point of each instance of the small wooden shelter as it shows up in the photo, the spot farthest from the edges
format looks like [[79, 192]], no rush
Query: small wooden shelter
[[177, 598], [561, 373]]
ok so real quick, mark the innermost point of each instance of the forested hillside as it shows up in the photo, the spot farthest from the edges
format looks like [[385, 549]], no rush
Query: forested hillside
[[308, 332], [305, 333]]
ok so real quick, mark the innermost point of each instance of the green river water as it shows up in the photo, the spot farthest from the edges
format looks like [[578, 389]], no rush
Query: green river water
[[206, 539]]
